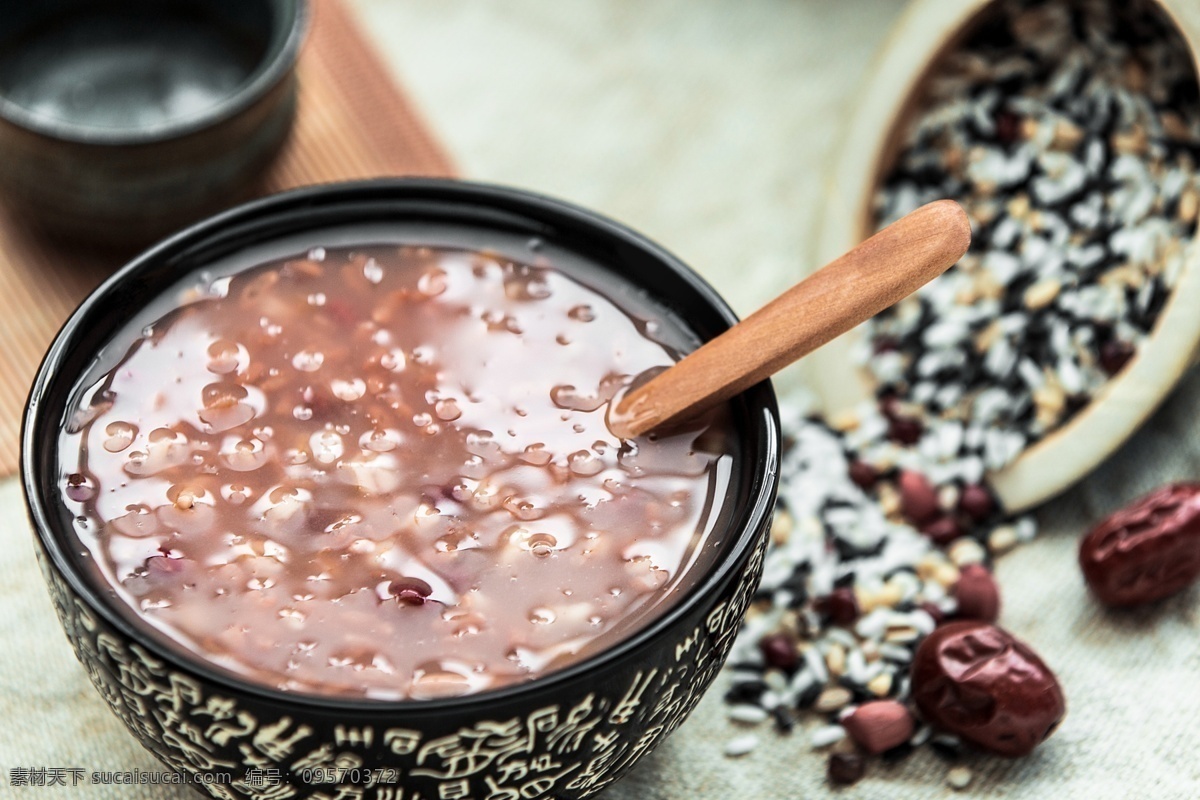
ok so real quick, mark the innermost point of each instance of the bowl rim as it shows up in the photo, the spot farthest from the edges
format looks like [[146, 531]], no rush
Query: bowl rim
[[289, 25], [750, 522]]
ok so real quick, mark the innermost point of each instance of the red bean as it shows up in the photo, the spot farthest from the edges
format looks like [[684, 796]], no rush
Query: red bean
[[942, 530], [918, 498], [846, 768], [840, 606], [905, 430], [410, 591], [779, 651], [864, 475], [886, 344], [976, 502], [1008, 127], [977, 594], [879, 725], [1114, 355]]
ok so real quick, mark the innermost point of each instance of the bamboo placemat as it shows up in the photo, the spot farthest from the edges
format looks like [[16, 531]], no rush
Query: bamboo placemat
[[352, 121]]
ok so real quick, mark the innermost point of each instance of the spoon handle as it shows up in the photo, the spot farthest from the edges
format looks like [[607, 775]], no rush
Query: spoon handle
[[876, 274]]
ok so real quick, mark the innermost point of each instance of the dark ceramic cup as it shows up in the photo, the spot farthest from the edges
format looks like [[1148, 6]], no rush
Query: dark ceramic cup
[[123, 120], [568, 734]]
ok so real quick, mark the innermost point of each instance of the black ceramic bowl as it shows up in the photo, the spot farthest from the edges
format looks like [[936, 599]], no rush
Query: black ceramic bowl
[[567, 734], [122, 120]]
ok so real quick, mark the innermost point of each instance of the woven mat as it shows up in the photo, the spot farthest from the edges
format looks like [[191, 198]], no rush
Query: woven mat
[[352, 122]]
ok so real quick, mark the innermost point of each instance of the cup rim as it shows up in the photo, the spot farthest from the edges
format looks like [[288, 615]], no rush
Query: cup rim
[[750, 522], [283, 49]]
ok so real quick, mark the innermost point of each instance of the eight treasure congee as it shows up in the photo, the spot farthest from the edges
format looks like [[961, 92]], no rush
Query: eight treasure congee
[[385, 471]]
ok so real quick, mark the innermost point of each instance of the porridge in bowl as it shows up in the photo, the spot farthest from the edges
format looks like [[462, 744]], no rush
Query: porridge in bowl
[[385, 472]]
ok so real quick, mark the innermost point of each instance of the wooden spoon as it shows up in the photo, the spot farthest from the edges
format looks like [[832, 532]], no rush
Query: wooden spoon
[[876, 274]]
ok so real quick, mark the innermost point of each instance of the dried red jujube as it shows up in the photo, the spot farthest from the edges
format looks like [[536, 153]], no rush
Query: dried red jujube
[[1147, 550], [981, 683]]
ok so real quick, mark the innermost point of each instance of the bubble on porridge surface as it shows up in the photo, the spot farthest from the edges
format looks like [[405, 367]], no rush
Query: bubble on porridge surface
[[374, 473], [645, 576], [348, 390], [525, 508], [236, 494], [447, 409], [393, 360], [582, 313], [120, 436], [438, 679], [542, 616], [483, 443], [219, 287], [433, 282], [326, 446], [308, 360], [486, 496], [80, 487], [500, 322], [164, 450], [462, 489], [423, 355], [292, 614], [187, 515], [244, 455], [135, 462], [523, 283], [380, 440], [139, 522], [585, 462], [450, 543], [225, 357], [537, 455], [542, 544], [226, 406], [573, 399], [185, 496], [372, 271], [343, 525], [163, 437]]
